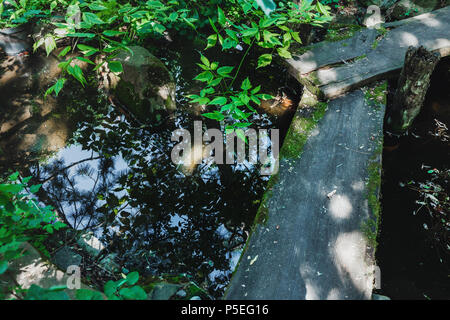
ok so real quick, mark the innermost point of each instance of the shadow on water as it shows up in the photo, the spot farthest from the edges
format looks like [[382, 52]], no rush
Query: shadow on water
[[414, 241], [117, 180]]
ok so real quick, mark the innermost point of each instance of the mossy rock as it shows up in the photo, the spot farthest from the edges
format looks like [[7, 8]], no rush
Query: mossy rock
[[146, 86]]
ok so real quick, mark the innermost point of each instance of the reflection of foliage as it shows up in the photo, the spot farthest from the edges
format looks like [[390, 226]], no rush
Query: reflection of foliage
[[77, 205], [159, 221]]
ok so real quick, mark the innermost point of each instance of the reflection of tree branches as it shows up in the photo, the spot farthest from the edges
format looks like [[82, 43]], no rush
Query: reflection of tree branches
[[68, 167], [63, 189]]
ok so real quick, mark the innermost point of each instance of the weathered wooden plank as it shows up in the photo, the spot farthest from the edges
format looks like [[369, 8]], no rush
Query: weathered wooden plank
[[312, 245], [385, 57], [343, 50]]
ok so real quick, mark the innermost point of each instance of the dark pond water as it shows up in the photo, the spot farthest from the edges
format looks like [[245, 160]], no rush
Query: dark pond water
[[414, 242], [117, 180]]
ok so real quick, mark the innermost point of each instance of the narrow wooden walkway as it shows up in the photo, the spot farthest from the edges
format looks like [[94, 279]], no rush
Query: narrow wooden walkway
[[320, 217], [333, 68], [313, 244]]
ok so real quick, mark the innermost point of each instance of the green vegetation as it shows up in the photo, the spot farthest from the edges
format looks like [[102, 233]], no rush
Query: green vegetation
[[272, 33], [299, 131], [376, 95], [338, 32], [96, 30], [22, 220], [371, 226], [382, 31]]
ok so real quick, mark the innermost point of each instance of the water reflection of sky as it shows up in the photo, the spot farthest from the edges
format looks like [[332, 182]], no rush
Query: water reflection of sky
[[168, 222]]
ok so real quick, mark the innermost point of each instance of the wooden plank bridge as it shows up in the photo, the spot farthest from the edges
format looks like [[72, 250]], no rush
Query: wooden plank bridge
[[315, 230]]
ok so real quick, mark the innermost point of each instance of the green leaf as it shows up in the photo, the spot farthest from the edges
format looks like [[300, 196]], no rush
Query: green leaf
[[212, 40], [159, 28], [64, 51], [227, 107], [97, 7], [88, 294], [214, 65], [113, 33], [272, 38], [264, 60], [173, 16], [265, 23], [133, 293], [200, 100], [204, 76], [110, 288], [322, 9], [246, 85], [284, 53], [92, 18], [11, 188], [221, 17], [85, 60], [115, 66], [215, 82], [37, 44], [225, 71], [255, 90], [132, 278], [77, 73], [155, 4], [232, 34], [250, 32], [220, 101], [14, 176], [57, 288], [50, 44], [296, 37], [240, 134], [229, 43], [59, 85], [242, 124], [84, 48], [213, 25], [214, 115], [204, 60], [265, 96], [81, 35], [49, 91]]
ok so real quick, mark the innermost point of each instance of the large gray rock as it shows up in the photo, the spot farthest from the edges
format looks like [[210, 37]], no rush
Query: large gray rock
[[146, 87]]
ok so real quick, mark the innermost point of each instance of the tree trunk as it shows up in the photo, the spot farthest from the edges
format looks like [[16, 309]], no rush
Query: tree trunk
[[412, 87]]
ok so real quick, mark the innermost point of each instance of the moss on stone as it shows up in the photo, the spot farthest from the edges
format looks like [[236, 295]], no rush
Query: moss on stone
[[381, 34], [340, 32], [371, 227], [296, 138], [299, 131], [263, 210]]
